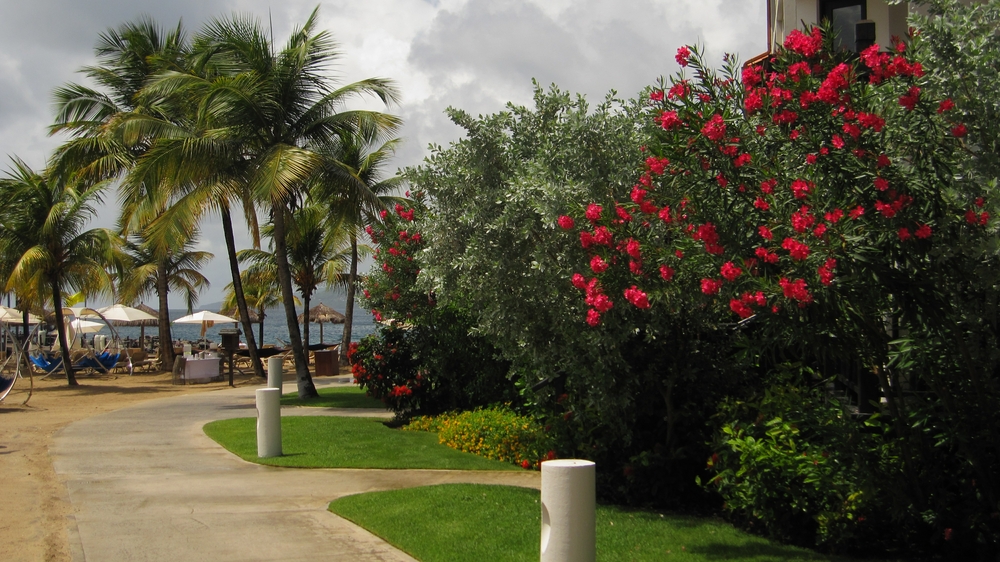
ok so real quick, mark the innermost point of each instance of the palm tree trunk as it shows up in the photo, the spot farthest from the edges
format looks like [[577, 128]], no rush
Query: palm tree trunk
[[166, 349], [241, 301], [260, 313], [306, 321], [345, 343], [305, 384], [61, 330]]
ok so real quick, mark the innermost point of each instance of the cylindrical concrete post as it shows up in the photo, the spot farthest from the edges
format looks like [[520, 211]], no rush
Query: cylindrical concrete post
[[268, 422], [275, 366], [569, 523]]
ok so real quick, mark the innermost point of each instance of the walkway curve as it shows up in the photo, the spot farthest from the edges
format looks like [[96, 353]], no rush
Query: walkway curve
[[146, 484]]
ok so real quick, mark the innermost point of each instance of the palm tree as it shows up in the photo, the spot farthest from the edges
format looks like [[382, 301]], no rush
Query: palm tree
[[43, 218], [316, 254], [261, 292], [258, 112], [150, 271], [104, 143], [353, 185]]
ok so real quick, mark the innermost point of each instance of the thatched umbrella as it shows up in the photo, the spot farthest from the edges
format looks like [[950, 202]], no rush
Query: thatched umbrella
[[321, 314]]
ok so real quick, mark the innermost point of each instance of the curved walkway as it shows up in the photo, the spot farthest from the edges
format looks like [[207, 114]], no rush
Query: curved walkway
[[146, 484]]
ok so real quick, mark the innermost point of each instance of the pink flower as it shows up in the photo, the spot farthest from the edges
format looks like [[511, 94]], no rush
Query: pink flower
[[566, 222], [730, 271], [710, 286], [656, 95], [598, 264], [593, 317], [579, 281], [636, 297]]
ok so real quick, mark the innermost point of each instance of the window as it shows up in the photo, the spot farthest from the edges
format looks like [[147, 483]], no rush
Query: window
[[844, 15]]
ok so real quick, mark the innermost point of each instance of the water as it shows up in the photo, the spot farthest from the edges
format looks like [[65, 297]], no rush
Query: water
[[275, 328]]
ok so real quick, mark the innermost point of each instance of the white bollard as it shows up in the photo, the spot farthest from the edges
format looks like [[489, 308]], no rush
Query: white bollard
[[275, 366], [268, 422], [569, 523]]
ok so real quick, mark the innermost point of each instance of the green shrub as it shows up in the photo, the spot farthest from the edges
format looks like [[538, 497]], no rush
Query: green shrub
[[495, 433]]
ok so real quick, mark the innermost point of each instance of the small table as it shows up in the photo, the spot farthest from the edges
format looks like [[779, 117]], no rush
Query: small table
[[201, 370]]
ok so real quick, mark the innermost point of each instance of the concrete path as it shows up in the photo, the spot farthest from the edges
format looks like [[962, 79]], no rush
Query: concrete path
[[146, 484]]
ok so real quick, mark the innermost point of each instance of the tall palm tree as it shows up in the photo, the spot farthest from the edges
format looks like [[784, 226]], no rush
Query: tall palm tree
[[150, 271], [317, 254], [352, 183], [104, 143], [258, 113], [43, 218]]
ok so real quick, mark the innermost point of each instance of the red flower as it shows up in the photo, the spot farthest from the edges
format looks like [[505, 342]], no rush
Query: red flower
[[594, 212], [761, 204], [800, 189], [871, 121], [881, 184], [669, 120], [632, 248], [710, 286], [666, 272], [602, 236], [579, 281], [742, 160], [959, 131], [525, 464], [802, 220], [945, 105], [586, 239], [767, 256], [837, 142], [834, 216], [566, 222], [740, 308], [856, 212], [622, 213], [804, 45], [715, 128], [593, 317], [730, 271], [910, 99], [635, 266], [811, 158], [753, 102], [947, 534], [598, 264], [664, 215], [923, 232], [796, 249], [820, 230], [767, 186], [795, 290], [682, 56], [656, 95], [971, 217], [825, 271], [904, 234], [765, 232], [636, 297]]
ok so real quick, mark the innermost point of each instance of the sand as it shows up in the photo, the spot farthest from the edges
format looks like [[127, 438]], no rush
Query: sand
[[34, 504]]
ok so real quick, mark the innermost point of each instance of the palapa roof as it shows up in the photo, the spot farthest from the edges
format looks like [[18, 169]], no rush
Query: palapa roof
[[322, 314]]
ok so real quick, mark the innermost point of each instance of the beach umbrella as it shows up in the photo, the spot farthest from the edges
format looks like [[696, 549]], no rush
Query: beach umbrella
[[121, 315], [81, 326], [14, 316], [205, 318], [321, 314]]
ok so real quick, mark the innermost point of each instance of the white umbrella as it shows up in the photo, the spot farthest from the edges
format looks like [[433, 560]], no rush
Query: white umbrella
[[13, 316], [122, 313], [205, 318], [83, 326]]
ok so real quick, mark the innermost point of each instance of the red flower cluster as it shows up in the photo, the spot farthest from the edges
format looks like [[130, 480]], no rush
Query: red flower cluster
[[636, 297], [805, 45], [795, 290]]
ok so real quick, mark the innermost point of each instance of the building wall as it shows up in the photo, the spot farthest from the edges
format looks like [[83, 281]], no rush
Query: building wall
[[787, 15]]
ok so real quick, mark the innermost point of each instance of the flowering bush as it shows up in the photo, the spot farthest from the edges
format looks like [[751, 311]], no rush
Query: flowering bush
[[812, 204], [495, 433], [423, 360]]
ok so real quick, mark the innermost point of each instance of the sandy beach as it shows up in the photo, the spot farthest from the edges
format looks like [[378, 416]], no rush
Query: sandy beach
[[33, 501]]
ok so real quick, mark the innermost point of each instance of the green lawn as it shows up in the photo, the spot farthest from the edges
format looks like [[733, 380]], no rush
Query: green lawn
[[335, 397], [456, 522], [335, 442]]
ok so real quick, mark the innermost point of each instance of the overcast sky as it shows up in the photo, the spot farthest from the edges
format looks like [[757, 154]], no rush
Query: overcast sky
[[472, 54]]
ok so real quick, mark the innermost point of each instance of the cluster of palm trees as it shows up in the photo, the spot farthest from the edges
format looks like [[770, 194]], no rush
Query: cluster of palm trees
[[196, 128]]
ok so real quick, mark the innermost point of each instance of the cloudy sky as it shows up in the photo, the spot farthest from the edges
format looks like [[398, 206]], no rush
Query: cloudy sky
[[473, 54]]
